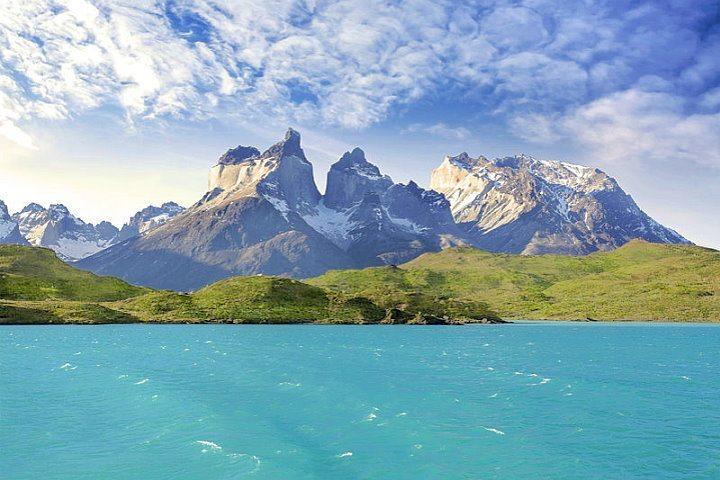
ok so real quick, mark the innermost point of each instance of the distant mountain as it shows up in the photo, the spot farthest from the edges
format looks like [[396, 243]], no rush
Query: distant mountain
[[56, 228], [9, 230], [147, 219], [376, 221], [523, 205], [249, 222], [263, 213]]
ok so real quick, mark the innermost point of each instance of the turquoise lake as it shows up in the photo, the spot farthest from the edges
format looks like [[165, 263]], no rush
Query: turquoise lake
[[523, 401]]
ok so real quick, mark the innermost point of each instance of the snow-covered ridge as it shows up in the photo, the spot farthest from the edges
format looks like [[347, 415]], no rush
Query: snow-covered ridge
[[523, 204], [147, 219], [56, 228]]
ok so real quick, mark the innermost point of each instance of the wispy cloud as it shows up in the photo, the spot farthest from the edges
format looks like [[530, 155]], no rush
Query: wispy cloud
[[439, 130], [632, 125], [346, 63]]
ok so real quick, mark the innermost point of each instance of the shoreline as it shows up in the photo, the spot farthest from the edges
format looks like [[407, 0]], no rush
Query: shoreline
[[520, 322]]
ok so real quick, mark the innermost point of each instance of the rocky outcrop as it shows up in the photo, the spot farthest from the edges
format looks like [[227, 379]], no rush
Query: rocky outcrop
[[523, 205], [351, 178]]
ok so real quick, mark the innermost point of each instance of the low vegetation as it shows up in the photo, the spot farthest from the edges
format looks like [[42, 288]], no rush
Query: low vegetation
[[37, 288], [639, 281]]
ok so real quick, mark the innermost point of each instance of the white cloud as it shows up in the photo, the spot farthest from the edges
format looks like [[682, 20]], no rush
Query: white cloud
[[633, 126], [345, 63], [439, 130]]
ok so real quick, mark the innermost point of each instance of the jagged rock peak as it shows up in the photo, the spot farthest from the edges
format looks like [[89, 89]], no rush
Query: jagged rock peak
[[147, 219], [237, 155], [9, 231], [351, 177], [355, 157], [32, 207], [288, 147], [57, 211]]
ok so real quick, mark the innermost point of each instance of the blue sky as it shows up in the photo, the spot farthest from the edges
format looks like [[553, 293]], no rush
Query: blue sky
[[108, 105]]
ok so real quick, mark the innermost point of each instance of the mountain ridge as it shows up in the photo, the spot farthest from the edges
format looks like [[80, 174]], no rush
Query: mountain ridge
[[263, 213]]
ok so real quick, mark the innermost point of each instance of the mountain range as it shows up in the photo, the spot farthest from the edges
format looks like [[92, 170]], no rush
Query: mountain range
[[69, 236], [263, 213]]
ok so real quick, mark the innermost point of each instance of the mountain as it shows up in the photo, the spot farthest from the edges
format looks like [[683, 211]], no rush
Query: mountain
[[56, 228], [148, 218], [638, 281], [248, 222], [377, 221], [263, 213], [523, 205], [9, 230]]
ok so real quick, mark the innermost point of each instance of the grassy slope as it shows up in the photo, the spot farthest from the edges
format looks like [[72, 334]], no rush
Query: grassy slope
[[36, 287], [28, 273], [259, 299], [639, 281]]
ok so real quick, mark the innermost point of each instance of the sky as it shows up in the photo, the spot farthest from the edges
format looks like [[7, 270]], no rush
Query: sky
[[107, 106]]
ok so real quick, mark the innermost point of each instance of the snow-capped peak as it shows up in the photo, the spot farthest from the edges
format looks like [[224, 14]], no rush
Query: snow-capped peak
[[58, 229]]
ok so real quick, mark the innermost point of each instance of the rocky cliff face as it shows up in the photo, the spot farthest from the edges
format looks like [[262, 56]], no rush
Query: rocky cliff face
[[56, 228], [9, 229], [148, 218], [523, 205], [249, 222], [376, 221], [351, 178]]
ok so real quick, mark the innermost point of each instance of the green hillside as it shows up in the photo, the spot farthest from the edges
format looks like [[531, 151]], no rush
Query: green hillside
[[639, 281], [259, 299], [28, 273], [37, 288]]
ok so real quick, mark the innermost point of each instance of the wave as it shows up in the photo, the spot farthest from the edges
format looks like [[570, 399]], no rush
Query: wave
[[344, 454], [494, 430], [144, 380], [211, 445]]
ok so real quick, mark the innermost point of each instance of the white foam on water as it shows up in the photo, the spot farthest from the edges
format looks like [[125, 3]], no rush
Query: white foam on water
[[120, 377], [144, 380], [77, 353], [494, 430], [289, 384], [401, 414], [494, 395], [344, 454], [544, 381], [67, 366], [685, 377], [418, 446], [212, 446]]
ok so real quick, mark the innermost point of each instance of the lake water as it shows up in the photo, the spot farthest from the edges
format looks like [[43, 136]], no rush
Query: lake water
[[524, 401]]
